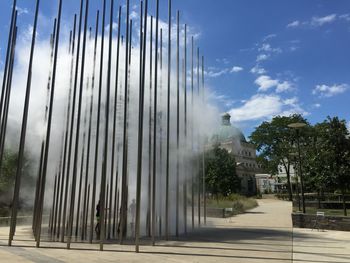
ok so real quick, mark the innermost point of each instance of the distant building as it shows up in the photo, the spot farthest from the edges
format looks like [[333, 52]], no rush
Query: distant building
[[232, 139], [265, 183]]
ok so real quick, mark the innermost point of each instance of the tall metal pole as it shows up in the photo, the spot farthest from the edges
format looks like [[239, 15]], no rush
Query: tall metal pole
[[161, 129], [23, 131], [168, 127], [7, 60], [203, 156], [192, 135], [124, 194], [64, 172], [177, 119], [93, 194], [7, 88], [198, 141], [70, 148], [185, 124], [140, 135], [77, 135], [48, 131], [300, 172], [115, 125], [103, 196], [155, 128], [98, 126], [148, 220], [81, 167]]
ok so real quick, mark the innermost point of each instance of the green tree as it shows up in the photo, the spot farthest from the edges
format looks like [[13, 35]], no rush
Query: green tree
[[274, 142], [334, 156], [221, 177]]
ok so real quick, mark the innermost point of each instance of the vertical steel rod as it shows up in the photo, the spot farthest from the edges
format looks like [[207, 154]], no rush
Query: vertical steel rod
[[168, 127], [7, 59], [155, 115], [177, 119], [77, 135], [185, 130], [115, 125], [124, 194], [20, 163], [64, 172], [48, 131], [103, 196], [140, 134]]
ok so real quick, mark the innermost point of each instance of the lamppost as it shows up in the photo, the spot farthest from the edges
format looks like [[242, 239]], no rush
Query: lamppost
[[295, 155], [297, 126]]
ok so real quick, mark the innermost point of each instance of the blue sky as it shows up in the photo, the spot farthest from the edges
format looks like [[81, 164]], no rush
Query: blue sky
[[263, 58]]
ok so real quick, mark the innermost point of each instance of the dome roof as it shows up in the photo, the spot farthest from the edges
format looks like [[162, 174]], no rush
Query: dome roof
[[227, 131]]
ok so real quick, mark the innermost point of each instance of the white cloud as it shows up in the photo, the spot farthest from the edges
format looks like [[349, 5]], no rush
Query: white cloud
[[265, 82], [215, 74], [295, 23], [236, 69], [269, 37], [316, 105], [261, 106], [267, 48], [320, 21], [345, 17], [258, 70], [284, 86], [262, 57], [22, 11], [329, 91]]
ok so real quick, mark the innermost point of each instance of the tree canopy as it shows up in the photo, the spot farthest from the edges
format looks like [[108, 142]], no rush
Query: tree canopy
[[221, 177]]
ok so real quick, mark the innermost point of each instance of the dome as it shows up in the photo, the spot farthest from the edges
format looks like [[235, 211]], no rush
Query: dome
[[227, 131]]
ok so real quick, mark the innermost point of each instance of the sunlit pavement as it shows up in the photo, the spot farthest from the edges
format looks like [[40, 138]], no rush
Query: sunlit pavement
[[264, 234]]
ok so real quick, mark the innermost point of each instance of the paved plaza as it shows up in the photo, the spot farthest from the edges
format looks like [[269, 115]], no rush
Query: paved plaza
[[263, 234]]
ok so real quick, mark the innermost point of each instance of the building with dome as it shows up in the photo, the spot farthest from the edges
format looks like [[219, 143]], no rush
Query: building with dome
[[232, 139]]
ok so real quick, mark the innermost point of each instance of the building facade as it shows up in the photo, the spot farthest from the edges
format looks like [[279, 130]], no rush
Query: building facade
[[232, 139]]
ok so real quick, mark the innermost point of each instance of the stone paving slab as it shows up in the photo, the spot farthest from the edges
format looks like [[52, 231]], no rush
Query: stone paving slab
[[262, 235]]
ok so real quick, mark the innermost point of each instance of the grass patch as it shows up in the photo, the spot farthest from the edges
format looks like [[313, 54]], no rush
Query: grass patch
[[238, 203]]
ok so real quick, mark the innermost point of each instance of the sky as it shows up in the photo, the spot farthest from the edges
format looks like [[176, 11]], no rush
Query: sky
[[262, 58]]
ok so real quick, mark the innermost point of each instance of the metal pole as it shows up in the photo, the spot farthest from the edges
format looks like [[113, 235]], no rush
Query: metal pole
[[198, 141], [177, 119], [301, 174], [7, 60], [115, 124], [155, 128], [7, 88], [77, 135], [73, 183], [93, 197], [65, 174], [114, 133], [125, 153], [203, 157], [103, 197], [48, 132], [185, 124], [140, 135], [81, 168], [23, 131], [53, 205], [148, 225], [168, 127], [161, 129], [192, 135], [9, 83], [37, 190]]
